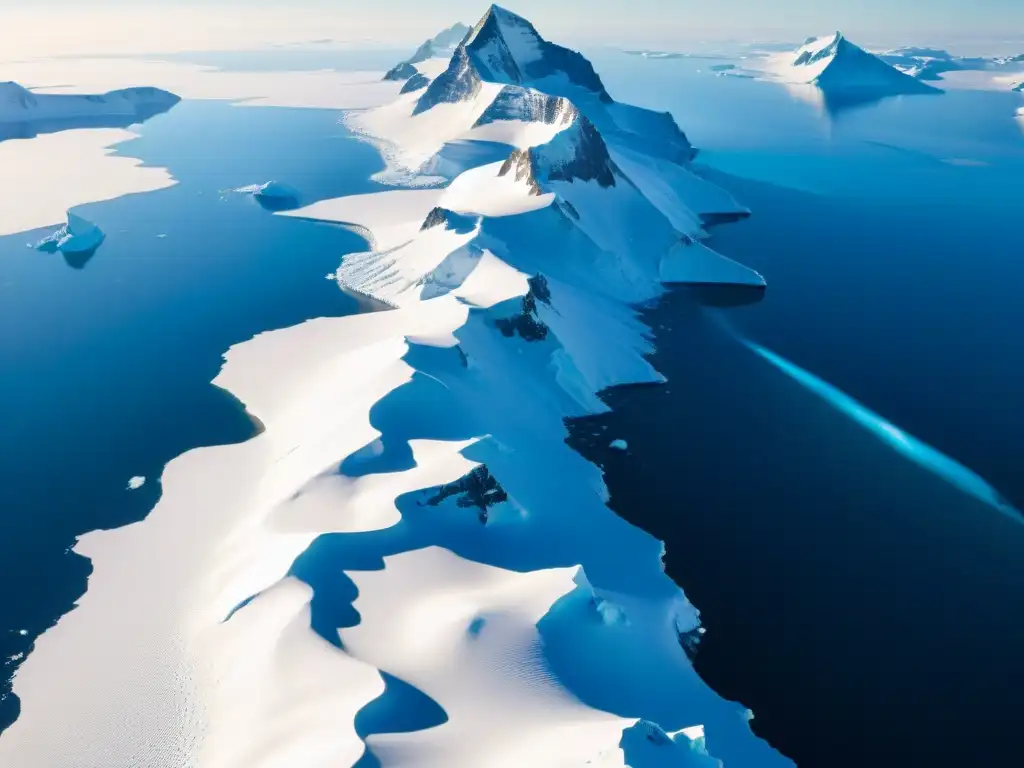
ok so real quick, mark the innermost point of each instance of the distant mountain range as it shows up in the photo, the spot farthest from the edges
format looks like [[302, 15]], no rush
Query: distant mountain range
[[441, 45]]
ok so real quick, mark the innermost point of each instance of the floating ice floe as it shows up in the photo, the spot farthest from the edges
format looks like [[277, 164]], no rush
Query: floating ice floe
[[77, 236], [136, 482], [273, 195], [619, 445]]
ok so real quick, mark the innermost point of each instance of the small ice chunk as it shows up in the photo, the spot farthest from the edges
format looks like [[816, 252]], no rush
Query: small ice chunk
[[619, 445], [136, 482]]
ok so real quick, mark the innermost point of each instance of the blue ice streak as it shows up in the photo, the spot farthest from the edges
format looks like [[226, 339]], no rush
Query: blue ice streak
[[950, 470]]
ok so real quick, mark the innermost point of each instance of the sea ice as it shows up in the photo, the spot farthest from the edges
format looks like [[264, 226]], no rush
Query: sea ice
[[136, 482], [619, 445]]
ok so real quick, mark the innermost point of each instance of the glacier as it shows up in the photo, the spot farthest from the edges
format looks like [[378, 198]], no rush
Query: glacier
[[420, 450]]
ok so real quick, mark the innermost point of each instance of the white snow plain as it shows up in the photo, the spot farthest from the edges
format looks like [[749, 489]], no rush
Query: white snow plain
[[541, 623], [57, 171]]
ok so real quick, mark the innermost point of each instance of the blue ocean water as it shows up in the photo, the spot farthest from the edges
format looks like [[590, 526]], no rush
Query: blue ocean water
[[105, 366], [864, 606], [867, 610]]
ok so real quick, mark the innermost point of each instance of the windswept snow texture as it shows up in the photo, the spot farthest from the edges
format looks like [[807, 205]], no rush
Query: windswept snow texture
[[24, 114], [408, 565]]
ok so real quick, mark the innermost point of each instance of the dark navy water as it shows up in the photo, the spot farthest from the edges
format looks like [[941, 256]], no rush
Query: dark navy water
[[864, 608], [869, 613], [106, 365]]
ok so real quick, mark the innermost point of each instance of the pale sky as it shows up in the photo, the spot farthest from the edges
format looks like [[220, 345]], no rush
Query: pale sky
[[44, 27]]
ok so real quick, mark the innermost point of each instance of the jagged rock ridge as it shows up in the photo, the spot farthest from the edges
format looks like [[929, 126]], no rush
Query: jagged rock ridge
[[514, 102], [577, 153], [506, 48]]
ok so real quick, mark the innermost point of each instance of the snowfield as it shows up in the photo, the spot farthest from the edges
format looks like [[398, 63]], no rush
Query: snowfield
[[407, 565]]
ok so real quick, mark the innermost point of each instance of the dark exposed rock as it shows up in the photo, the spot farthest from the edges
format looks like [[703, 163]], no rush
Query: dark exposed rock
[[439, 216], [539, 288], [589, 160], [459, 82], [514, 102], [478, 489], [434, 218], [415, 83], [484, 54], [525, 322], [402, 71], [521, 162], [490, 52]]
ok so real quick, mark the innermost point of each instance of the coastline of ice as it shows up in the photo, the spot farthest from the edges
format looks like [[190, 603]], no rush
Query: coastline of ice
[[59, 171], [427, 442]]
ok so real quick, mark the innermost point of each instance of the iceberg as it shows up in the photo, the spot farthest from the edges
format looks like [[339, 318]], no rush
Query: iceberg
[[77, 237], [273, 195], [24, 114]]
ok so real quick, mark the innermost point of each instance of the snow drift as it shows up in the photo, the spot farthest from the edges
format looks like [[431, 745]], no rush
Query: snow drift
[[408, 566]]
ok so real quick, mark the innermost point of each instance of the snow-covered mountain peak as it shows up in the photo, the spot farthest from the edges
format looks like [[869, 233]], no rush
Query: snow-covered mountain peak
[[841, 69], [505, 48], [817, 49], [577, 153], [442, 45]]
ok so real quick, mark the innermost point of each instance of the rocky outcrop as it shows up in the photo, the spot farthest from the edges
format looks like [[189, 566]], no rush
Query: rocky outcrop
[[478, 490]]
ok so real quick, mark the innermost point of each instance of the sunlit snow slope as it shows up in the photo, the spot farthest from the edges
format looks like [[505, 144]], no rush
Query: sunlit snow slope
[[408, 566]]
